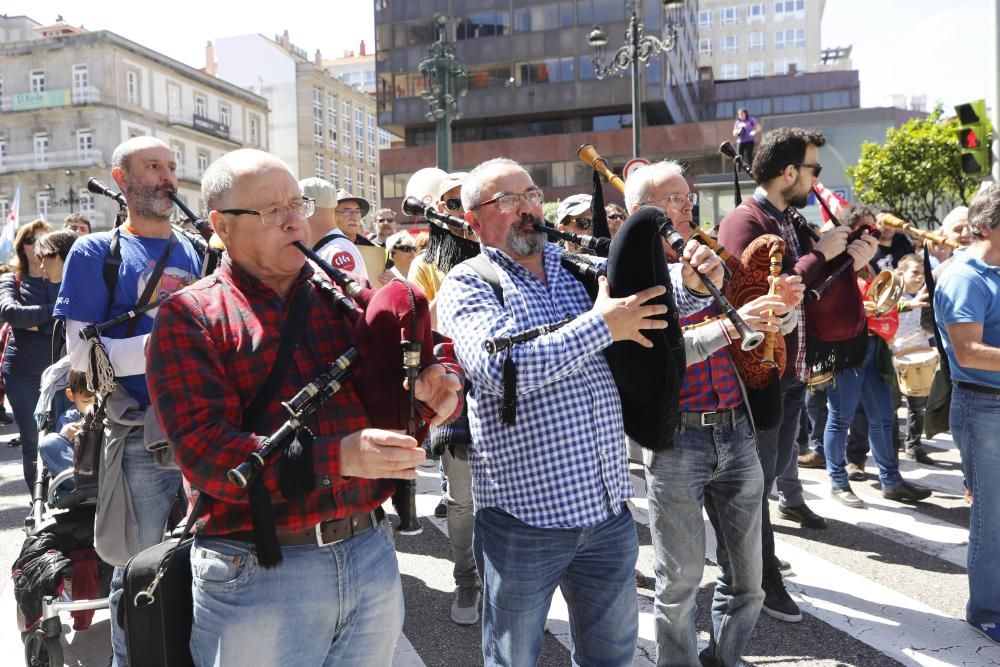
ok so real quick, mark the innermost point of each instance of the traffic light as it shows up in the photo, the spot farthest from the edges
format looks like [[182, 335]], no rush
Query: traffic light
[[974, 137]]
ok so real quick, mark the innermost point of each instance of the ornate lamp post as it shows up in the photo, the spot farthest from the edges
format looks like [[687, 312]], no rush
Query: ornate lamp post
[[71, 197], [638, 50], [445, 80]]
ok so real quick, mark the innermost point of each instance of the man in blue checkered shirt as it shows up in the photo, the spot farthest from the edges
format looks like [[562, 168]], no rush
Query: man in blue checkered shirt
[[550, 489]]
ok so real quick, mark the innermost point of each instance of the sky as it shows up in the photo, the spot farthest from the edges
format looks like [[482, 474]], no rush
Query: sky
[[938, 48]]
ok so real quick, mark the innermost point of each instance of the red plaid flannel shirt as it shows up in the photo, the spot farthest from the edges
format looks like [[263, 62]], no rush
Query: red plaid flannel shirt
[[211, 349], [711, 384]]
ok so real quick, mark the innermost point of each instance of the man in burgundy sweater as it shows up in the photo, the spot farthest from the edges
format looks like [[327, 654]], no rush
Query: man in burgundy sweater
[[786, 164]]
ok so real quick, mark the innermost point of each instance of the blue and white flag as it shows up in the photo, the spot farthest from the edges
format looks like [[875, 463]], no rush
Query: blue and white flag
[[10, 226]]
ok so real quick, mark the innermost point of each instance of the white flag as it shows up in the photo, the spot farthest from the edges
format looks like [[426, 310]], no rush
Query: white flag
[[10, 226]]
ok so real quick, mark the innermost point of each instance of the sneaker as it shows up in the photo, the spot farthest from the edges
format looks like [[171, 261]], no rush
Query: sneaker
[[465, 608], [989, 630], [845, 496], [14, 442], [803, 515], [856, 472], [905, 492], [779, 604], [640, 579], [784, 565], [812, 459], [918, 454], [5, 418], [441, 511]]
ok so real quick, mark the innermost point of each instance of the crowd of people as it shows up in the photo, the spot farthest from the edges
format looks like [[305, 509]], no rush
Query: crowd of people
[[534, 442]]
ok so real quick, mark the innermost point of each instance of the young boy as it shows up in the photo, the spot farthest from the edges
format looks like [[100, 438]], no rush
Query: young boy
[[56, 448], [911, 334]]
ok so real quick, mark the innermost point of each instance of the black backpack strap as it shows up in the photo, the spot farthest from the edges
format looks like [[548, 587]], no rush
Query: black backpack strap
[[112, 263], [323, 242], [485, 270], [152, 282]]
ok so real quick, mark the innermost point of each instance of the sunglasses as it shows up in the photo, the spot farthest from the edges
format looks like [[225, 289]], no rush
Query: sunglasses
[[29, 241], [582, 223], [815, 166], [404, 248], [615, 216], [453, 204]]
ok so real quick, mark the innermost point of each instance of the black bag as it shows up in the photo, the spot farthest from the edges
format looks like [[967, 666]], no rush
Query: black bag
[[158, 624], [89, 442], [157, 608]]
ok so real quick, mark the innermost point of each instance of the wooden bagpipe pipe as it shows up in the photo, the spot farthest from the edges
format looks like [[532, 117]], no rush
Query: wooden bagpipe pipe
[[395, 317]]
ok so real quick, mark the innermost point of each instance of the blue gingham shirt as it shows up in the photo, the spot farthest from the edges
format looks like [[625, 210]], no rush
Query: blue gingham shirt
[[563, 464]]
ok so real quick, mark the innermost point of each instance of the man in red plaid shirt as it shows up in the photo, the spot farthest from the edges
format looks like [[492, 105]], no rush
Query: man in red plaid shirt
[[335, 597], [713, 463]]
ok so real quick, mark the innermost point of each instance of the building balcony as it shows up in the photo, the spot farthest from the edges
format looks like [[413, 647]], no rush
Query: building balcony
[[50, 99], [50, 160]]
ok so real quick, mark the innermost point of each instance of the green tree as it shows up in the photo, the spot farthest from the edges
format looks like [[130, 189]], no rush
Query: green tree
[[916, 173]]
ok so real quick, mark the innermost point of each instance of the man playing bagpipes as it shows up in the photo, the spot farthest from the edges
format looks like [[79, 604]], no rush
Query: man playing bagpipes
[[300, 569]]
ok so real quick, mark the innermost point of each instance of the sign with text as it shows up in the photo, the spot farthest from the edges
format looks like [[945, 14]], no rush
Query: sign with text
[[49, 98], [209, 126]]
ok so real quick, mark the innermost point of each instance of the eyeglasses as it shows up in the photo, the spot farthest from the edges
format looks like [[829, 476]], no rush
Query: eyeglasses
[[29, 241], [404, 248], [678, 200], [454, 204], [815, 166], [615, 216], [348, 212], [383, 221], [582, 223], [279, 214], [510, 202], [46, 255]]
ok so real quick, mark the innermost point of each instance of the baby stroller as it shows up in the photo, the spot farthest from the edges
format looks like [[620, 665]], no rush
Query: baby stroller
[[57, 569]]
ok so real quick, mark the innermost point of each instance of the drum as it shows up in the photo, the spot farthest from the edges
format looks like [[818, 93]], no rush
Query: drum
[[820, 381], [915, 368]]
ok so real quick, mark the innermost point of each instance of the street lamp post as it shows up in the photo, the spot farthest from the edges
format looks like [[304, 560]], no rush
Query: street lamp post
[[638, 50], [71, 197], [445, 80]]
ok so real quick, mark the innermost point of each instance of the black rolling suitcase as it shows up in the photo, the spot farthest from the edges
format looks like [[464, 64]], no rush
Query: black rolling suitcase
[[156, 607]]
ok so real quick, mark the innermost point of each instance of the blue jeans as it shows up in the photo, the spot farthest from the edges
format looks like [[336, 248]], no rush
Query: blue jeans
[[716, 467], [335, 605], [866, 385], [975, 426], [153, 491], [857, 437], [521, 565], [22, 393]]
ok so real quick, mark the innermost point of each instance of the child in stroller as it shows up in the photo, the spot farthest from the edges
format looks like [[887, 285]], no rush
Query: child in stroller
[[58, 569]]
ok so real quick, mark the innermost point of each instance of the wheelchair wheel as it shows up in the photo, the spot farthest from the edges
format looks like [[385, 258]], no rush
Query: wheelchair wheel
[[42, 651]]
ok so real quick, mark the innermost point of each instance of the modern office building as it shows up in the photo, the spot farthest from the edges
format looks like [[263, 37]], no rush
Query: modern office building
[[69, 96], [756, 39], [320, 126], [531, 78]]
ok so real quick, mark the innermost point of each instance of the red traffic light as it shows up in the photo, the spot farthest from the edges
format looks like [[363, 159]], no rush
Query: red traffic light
[[969, 139]]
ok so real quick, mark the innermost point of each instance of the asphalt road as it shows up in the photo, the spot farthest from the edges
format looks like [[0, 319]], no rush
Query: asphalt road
[[881, 586]]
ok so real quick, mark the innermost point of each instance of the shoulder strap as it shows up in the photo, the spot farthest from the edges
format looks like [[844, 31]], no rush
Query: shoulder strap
[[323, 242], [152, 282], [112, 263], [291, 332], [485, 270]]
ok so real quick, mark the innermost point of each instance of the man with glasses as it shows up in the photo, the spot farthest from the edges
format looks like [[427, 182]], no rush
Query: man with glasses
[[616, 216], [336, 225], [106, 275], [385, 226], [712, 465], [551, 483], [335, 597]]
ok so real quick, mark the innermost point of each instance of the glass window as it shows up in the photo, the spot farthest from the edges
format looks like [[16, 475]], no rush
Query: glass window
[[483, 24], [730, 44], [38, 81], [173, 99], [132, 86], [755, 12], [540, 17], [178, 150], [800, 37], [202, 162], [224, 114], [546, 71], [84, 142], [319, 165], [755, 68], [81, 78], [44, 200], [724, 110], [334, 172], [705, 18], [705, 45], [318, 134], [200, 106], [614, 122], [730, 71], [254, 131], [730, 15], [756, 40], [585, 67], [41, 144]]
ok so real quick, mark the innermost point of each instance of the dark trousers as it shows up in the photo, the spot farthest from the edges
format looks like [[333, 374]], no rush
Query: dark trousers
[[746, 151], [22, 393], [776, 447], [857, 439]]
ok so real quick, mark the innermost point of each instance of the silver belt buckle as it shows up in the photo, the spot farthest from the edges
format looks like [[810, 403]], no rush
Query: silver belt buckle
[[319, 536], [706, 414]]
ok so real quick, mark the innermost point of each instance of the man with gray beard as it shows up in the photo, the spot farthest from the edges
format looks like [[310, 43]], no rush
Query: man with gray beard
[[548, 458], [106, 275]]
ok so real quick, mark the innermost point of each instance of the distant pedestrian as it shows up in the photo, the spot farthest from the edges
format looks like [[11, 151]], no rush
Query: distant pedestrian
[[746, 130]]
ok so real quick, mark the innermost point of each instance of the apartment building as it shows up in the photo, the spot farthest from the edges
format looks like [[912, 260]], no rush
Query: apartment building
[[773, 37], [319, 125], [69, 96]]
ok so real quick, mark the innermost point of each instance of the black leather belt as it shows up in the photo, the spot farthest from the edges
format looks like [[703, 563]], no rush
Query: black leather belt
[[972, 386], [324, 533], [705, 419]]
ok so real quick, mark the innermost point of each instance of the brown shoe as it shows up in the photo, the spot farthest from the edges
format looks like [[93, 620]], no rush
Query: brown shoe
[[812, 459], [856, 472]]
